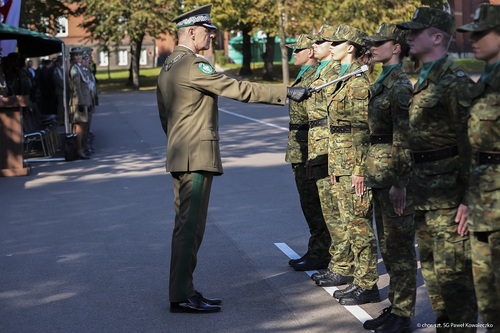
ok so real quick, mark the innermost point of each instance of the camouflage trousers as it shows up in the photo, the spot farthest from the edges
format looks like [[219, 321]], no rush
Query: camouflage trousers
[[319, 241], [356, 225], [485, 248], [340, 250], [396, 238], [447, 269]]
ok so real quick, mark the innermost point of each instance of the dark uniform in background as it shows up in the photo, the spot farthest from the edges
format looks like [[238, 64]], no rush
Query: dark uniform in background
[[187, 93], [388, 169], [441, 158], [484, 185], [317, 255]]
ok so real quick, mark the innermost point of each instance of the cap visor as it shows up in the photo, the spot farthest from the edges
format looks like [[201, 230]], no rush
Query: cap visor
[[210, 26], [376, 38], [411, 26], [472, 27]]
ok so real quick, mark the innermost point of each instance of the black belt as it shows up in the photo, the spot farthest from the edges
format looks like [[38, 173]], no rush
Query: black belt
[[434, 155], [380, 138], [298, 127], [340, 129], [318, 122], [485, 157]]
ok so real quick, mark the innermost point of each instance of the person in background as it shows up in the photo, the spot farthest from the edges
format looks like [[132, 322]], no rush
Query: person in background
[[187, 97], [484, 185], [317, 255], [387, 173], [440, 152], [58, 79], [80, 100]]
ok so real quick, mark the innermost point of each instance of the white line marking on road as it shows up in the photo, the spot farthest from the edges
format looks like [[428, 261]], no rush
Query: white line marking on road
[[355, 310], [253, 119]]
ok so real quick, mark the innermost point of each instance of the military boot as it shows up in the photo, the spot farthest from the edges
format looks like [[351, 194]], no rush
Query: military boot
[[372, 324], [395, 324], [316, 276], [332, 279], [361, 296], [342, 292]]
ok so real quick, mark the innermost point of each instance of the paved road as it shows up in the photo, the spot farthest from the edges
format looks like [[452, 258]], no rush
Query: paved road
[[84, 245]]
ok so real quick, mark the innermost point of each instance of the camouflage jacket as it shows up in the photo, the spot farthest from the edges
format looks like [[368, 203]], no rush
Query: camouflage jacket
[[438, 119], [389, 164], [317, 108], [484, 135], [349, 107], [296, 150]]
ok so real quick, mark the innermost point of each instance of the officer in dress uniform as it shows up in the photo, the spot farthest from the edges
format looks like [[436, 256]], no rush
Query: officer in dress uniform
[[388, 173], [317, 255], [80, 100], [484, 185], [440, 154], [188, 88]]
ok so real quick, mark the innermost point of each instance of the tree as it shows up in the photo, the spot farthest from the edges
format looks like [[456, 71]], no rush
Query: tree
[[112, 21], [42, 15]]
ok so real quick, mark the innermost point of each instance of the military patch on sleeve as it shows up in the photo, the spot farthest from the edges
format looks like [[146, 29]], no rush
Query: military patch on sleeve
[[74, 71], [206, 68]]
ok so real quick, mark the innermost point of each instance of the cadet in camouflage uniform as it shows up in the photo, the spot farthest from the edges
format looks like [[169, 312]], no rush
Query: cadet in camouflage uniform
[[317, 108], [388, 173], [484, 186], [441, 157], [317, 255], [348, 144]]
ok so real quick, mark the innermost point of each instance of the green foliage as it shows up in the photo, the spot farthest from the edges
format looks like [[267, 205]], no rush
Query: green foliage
[[42, 15], [221, 58]]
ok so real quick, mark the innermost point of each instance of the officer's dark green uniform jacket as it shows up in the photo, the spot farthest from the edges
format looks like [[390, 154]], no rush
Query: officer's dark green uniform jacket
[[188, 88]]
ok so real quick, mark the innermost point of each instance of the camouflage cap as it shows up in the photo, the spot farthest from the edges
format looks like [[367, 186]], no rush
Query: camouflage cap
[[325, 32], [303, 42], [388, 31], [426, 17], [485, 17], [348, 33]]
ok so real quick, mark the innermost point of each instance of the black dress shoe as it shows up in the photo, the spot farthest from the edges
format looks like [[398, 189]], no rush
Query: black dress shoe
[[395, 324], [332, 279], [293, 262], [361, 296], [343, 292], [372, 324], [194, 304], [310, 264], [211, 301]]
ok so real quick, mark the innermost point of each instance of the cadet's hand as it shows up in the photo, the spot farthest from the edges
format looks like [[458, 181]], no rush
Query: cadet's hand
[[298, 94], [358, 182], [461, 219], [397, 196]]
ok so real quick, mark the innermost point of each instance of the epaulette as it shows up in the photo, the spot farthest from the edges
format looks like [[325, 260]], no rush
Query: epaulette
[[168, 65]]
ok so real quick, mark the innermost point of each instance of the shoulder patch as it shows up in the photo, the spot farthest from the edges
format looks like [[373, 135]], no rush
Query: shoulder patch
[[206, 68], [74, 71]]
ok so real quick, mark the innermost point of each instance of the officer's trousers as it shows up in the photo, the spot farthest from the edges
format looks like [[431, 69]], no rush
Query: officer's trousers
[[191, 197]]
